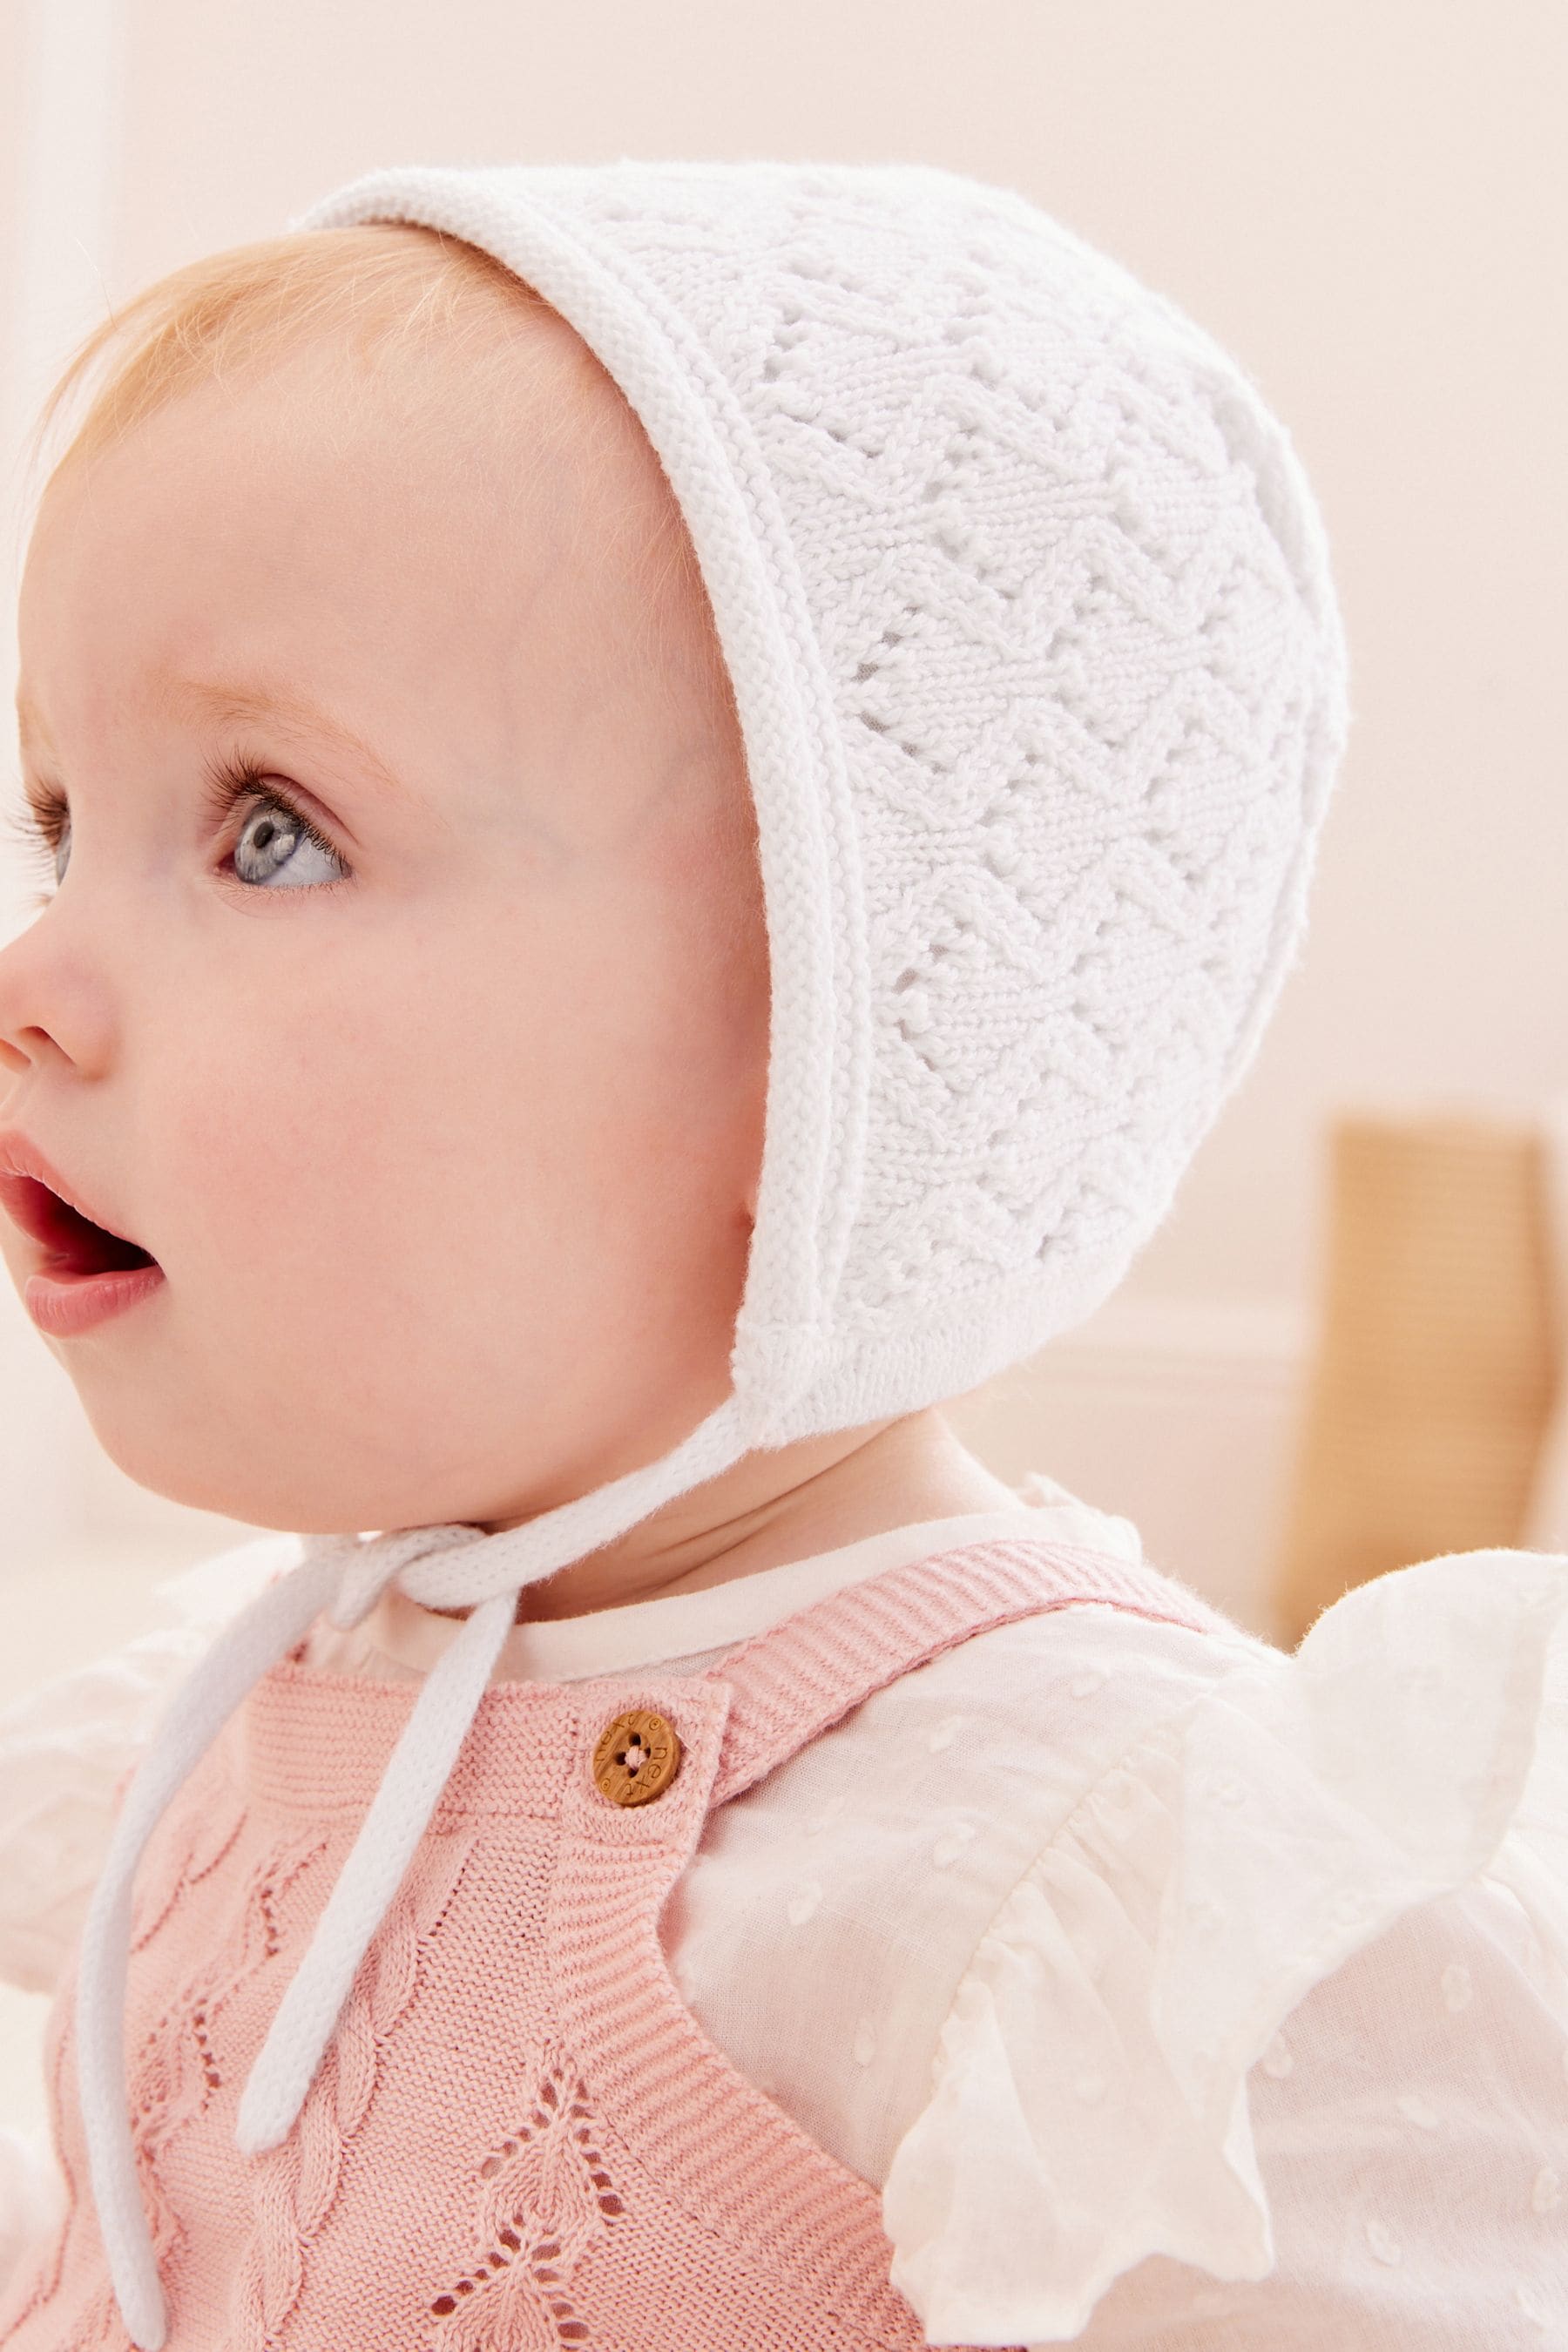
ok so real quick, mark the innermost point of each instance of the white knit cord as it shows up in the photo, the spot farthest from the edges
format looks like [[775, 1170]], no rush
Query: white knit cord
[[448, 1565], [410, 1789], [275, 1621]]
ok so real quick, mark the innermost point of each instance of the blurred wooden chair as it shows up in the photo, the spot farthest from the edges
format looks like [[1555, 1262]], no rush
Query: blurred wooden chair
[[1435, 1414]]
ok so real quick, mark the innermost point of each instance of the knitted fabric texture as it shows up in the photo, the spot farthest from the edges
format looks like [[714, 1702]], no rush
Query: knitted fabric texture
[[1027, 607], [521, 2136]]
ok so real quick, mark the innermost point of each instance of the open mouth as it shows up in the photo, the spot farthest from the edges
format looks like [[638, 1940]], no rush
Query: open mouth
[[76, 1246]]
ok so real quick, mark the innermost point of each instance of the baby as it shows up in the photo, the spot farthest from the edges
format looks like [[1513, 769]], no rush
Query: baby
[[783, 715]]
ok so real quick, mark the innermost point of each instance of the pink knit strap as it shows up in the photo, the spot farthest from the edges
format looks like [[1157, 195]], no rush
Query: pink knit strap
[[797, 1677]]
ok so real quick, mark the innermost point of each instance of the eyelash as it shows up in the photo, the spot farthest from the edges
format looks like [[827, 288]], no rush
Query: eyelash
[[40, 822]]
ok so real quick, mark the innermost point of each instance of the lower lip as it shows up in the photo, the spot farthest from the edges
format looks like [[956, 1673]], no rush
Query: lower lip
[[65, 1305]]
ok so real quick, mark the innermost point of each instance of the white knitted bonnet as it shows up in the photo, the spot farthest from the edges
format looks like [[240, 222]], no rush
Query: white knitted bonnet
[[1026, 604]]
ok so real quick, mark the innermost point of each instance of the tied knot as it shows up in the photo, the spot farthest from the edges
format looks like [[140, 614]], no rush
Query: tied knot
[[369, 1563]]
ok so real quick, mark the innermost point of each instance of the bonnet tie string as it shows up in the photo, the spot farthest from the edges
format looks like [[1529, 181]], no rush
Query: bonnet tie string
[[264, 1631], [456, 1565], [339, 1573], [410, 1788]]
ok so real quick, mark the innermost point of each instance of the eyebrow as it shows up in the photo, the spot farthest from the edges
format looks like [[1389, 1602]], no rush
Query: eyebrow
[[242, 702], [239, 702]]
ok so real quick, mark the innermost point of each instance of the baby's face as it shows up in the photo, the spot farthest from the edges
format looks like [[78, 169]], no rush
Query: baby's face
[[445, 1134]]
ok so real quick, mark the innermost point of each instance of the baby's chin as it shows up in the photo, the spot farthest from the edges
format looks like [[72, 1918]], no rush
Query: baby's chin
[[202, 1461]]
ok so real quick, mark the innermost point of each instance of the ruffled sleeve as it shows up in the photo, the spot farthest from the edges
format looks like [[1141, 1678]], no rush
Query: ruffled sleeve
[[1091, 2106], [67, 1749]]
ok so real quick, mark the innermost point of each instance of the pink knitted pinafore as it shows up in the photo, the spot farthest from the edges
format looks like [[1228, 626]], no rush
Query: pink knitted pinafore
[[519, 2138]]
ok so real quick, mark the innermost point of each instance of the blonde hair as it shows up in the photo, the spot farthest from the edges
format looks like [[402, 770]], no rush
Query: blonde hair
[[377, 290], [235, 312]]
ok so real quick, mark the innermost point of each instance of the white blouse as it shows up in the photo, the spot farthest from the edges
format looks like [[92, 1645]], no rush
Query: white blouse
[[1177, 1992]]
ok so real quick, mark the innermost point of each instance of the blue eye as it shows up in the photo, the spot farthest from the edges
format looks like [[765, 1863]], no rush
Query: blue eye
[[275, 840], [278, 846]]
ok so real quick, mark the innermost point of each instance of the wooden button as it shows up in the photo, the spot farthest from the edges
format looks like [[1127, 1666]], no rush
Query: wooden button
[[635, 1757]]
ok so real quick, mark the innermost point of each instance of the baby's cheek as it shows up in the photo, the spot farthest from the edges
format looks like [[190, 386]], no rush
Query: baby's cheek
[[257, 1125]]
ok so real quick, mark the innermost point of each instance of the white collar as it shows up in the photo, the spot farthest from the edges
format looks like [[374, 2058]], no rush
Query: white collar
[[687, 1624]]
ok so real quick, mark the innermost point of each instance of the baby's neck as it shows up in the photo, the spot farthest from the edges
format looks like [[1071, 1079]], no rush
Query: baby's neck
[[787, 1505]]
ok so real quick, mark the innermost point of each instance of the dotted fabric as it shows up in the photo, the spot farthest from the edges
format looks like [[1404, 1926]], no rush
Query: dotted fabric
[[1027, 605]]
